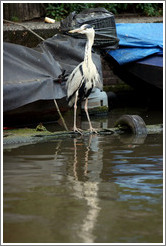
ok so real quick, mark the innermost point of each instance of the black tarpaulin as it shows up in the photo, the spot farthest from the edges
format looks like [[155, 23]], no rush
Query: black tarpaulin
[[32, 74], [102, 21]]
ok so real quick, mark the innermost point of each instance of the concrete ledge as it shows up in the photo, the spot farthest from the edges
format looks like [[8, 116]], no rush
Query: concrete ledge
[[19, 35], [34, 25], [138, 19]]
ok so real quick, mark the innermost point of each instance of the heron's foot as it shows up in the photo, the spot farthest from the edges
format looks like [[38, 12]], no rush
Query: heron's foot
[[78, 130], [93, 130]]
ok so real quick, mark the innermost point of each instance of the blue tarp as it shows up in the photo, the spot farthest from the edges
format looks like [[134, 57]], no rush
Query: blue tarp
[[137, 41]]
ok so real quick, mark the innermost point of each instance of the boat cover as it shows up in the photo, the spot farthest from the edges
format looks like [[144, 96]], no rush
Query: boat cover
[[102, 21], [32, 74], [137, 41]]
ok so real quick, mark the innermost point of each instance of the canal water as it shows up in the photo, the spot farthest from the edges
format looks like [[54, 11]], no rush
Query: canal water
[[91, 189]]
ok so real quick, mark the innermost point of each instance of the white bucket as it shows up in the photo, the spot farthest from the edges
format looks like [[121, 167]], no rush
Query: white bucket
[[97, 100]]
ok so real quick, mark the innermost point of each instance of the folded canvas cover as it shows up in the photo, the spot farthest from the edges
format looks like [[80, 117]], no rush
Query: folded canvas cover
[[35, 74]]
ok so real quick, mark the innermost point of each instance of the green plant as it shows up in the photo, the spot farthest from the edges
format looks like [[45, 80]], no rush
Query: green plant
[[150, 9], [59, 11], [14, 18], [56, 11]]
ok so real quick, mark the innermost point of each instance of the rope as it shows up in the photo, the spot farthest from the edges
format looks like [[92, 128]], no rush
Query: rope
[[14, 23], [63, 121]]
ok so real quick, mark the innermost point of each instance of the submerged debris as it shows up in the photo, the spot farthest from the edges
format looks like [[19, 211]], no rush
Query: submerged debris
[[26, 135], [40, 127]]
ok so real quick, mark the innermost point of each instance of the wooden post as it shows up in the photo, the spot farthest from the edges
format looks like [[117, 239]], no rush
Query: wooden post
[[22, 11]]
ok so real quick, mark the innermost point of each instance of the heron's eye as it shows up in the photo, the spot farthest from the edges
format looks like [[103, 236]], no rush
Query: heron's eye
[[88, 26]]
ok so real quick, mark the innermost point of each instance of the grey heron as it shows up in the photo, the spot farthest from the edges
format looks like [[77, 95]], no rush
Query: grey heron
[[84, 77]]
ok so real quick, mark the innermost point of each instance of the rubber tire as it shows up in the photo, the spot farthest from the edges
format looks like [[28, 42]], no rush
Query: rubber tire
[[134, 123]]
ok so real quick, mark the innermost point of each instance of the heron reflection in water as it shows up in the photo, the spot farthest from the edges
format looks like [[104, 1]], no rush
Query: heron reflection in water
[[84, 77], [86, 185]]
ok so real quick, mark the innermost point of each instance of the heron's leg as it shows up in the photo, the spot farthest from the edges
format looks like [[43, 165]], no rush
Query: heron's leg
[[75, 129], [75, 110], [87, 114]]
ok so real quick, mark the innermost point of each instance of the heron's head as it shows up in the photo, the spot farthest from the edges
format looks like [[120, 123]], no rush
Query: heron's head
[[84, 29]]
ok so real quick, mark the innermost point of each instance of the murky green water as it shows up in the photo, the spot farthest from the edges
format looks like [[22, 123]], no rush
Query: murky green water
[[93, 189]]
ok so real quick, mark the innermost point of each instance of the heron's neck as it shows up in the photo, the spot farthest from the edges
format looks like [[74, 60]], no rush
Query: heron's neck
[[88, 51]]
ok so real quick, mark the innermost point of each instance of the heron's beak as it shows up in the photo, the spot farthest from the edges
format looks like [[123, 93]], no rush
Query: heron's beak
[[75, 30]]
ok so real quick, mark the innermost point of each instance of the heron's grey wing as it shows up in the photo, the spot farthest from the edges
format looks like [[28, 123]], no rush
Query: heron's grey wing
[[74, 81]]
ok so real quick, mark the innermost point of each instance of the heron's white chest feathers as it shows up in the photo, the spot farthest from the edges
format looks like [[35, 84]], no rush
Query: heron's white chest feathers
[[91, 75]]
